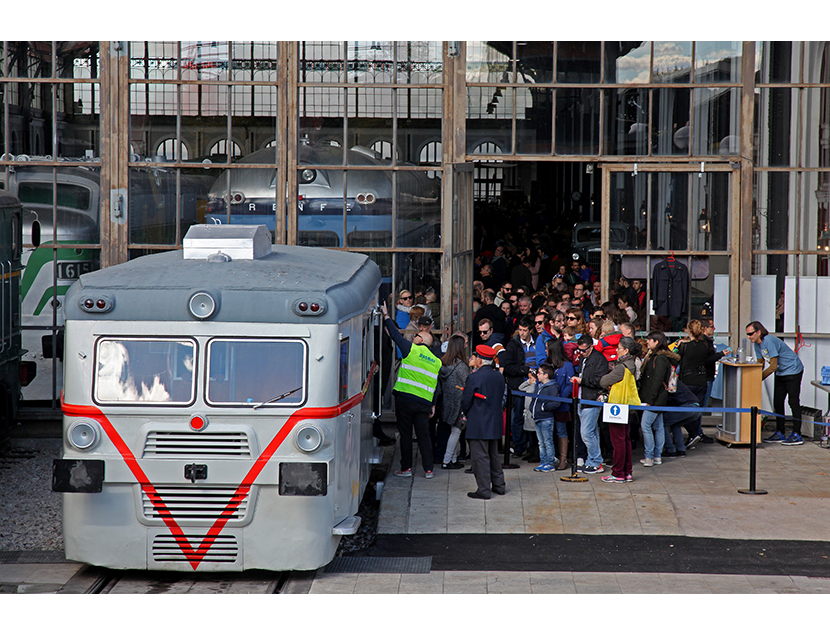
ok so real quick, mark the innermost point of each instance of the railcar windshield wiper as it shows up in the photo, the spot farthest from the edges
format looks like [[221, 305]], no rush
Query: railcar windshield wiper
[[275, 399]]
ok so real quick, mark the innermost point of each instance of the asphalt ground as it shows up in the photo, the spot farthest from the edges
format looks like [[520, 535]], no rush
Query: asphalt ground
[[609, 553]]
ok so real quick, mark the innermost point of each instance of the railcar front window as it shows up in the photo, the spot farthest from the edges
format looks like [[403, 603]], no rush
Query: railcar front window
[[145, 371], [254, 372]]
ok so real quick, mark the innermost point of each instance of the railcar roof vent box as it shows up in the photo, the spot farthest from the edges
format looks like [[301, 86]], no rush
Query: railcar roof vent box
[[237, 242]]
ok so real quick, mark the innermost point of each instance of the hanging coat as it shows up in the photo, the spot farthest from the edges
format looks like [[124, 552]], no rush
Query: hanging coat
[[670, 288]]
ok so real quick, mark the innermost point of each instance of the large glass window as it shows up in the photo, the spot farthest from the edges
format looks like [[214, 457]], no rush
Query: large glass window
[[577, 120], [185, 110], [370, 127], [254, 372], [674, 120], [50, 143], [145, 371]]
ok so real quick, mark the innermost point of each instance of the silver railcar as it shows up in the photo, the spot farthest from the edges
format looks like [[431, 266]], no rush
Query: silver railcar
[[335, 208], [217, 405]]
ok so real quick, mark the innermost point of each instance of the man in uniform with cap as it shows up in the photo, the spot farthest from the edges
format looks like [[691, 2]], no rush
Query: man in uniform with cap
[[482, 404]]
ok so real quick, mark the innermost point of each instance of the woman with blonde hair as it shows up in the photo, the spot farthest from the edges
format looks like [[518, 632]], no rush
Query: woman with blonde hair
[[693, 355]]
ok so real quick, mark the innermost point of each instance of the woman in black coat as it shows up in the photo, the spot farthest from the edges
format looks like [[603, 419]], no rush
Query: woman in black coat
[[693, 355]]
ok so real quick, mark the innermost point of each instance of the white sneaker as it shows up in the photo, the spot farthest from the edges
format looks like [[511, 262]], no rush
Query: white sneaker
[[580, 462], [647, 462], [658, 460]]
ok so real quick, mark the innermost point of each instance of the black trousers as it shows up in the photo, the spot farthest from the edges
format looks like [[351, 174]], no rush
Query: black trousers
[[415, 415], [787, 387], [486, 465]]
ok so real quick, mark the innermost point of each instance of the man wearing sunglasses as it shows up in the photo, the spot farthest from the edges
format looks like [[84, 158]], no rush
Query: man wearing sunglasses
[[780, 359], [489, 336], [504, 293], [488, 311]]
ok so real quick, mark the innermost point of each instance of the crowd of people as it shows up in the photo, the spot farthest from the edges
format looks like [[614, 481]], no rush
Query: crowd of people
[[540, 328]]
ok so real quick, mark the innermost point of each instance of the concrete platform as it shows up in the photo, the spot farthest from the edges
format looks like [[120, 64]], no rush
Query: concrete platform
[[694, 496]]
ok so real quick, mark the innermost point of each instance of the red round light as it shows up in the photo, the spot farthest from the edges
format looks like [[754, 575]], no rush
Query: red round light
[[303, 306], [197, 422], [88, 303], [101, 303], [315, 307]]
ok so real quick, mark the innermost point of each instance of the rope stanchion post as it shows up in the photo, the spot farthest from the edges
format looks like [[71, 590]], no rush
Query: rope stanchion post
[[508, 433], [753, 443]]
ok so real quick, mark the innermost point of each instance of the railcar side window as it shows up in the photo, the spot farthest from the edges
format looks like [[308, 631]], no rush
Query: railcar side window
[[344, 369], [145, 371], [71, 196], [268, 372]]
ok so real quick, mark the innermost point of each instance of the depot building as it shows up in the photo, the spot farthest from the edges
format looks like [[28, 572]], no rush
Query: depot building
[[713, 153]]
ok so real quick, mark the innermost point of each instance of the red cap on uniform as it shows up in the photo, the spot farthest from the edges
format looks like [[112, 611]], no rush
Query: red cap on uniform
[[485, 352]]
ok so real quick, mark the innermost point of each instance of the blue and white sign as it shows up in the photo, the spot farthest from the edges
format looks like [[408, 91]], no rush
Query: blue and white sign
[[615, 413]]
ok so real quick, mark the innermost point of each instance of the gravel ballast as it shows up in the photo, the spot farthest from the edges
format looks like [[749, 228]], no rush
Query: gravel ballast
[[30, 512]]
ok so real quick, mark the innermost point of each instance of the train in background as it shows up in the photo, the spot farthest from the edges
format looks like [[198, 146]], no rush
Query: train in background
[[336, 208], [14, 374], [218, 405], [62, 206]]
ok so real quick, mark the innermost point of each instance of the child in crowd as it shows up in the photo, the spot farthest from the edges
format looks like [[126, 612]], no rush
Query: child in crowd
[[568, 337], [608, 340], [543, 417]]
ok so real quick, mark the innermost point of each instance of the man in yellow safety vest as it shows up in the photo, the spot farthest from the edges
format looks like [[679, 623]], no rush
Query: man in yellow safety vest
[[414, 393]]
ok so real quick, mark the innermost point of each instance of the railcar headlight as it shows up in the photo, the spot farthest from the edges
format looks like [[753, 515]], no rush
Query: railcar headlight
[[309, 438], [84, 435], [307, 176], [202, 305]]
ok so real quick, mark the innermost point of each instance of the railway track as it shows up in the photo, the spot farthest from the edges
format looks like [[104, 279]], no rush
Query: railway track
[[102, 581]]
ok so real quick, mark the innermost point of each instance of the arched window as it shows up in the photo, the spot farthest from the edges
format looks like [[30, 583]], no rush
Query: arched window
[[169, 150], [431, 154], [383, 148], [225, 148]]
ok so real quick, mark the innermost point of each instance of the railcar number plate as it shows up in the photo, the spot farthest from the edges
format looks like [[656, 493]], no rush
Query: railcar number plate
[[73, 269]]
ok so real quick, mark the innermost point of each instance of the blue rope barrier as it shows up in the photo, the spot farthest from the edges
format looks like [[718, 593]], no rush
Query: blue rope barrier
[[589, 402], [708, 409]]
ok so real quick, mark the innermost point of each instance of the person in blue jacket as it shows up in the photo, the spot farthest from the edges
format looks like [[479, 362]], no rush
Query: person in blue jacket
[[543, 417], [563, 372], [482, 405]]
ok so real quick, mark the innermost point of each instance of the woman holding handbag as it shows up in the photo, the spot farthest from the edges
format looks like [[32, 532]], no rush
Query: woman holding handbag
[[623, 389], [655, 374]]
